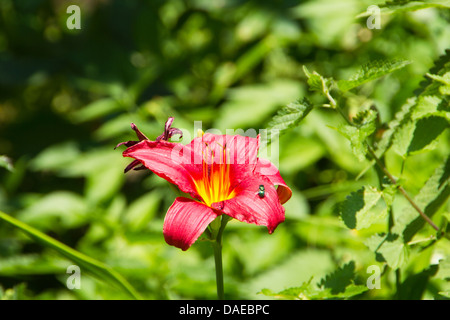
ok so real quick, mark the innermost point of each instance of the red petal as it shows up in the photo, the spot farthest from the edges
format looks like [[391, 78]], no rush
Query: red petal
[[270, 171], [170, 161], [185, 221], [248, 206]]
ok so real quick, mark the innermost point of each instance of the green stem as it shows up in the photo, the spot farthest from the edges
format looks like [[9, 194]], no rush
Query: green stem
[[403, 191], [217, 246], [219, 269]]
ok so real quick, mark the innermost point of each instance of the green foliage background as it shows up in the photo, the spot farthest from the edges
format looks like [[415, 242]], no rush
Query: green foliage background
[[67, 97]]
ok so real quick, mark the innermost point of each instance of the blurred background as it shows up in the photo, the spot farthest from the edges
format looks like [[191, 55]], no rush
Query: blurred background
[[68, 96]]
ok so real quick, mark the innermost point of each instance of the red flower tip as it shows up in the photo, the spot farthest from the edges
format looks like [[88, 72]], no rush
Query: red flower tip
[[168, 131], [139, 134]]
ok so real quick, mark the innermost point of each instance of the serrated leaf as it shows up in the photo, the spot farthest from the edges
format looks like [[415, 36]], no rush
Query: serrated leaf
[[390, 248], [444, 79], [316, 82], [420, 113], [393, 247], [427, 129], [388, 193], [443, 82], [371, 71], [357, 135], [400, 118], [402, 138], [295, 293], [336, 285], [430, 198], [291, 115], [356, 211], [400, 6], [311, 292], [339, 279], [397, 6], [441, 66]]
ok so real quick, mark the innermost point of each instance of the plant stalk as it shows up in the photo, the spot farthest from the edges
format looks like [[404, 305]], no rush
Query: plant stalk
[[217, 246], [219, 269], [403, 191]]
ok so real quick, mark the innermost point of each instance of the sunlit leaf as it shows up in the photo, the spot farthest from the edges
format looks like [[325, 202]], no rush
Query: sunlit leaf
[[371, 71], [391, 248], [291, 115], [357, 210], [357, 134], [337, 285]]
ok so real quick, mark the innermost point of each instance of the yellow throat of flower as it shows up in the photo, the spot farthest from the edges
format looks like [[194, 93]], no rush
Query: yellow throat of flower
[[215, 185]]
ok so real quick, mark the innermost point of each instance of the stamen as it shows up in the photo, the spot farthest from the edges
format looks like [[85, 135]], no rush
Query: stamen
[[214, 185]]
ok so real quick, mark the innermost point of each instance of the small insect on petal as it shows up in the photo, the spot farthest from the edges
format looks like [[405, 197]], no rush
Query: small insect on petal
[[261, 191]]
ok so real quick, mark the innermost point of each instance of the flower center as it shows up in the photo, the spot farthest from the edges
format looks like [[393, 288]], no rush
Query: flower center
[[214, 184]]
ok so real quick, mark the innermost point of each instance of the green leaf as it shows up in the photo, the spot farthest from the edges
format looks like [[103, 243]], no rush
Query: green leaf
[[423, 118], [56, 210], [357, 135], [390, 248], [56, 157], [427, 129], [304, 292], [429, 86], [248, 105], [31, 264], [339, 279], [97, 268], [430, 198], [104, 183], [291, 115], [415, 285], [401, 6], [97, 109], [400, 118], [357, 211], [444, 270], [336, 285], [444, 79], [142, 210], [371, 71], [316, 82], [397, 6], [422, 126], [393, 247]]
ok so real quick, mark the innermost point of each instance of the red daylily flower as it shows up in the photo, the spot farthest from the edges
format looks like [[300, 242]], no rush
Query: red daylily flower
[[222, 174]]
